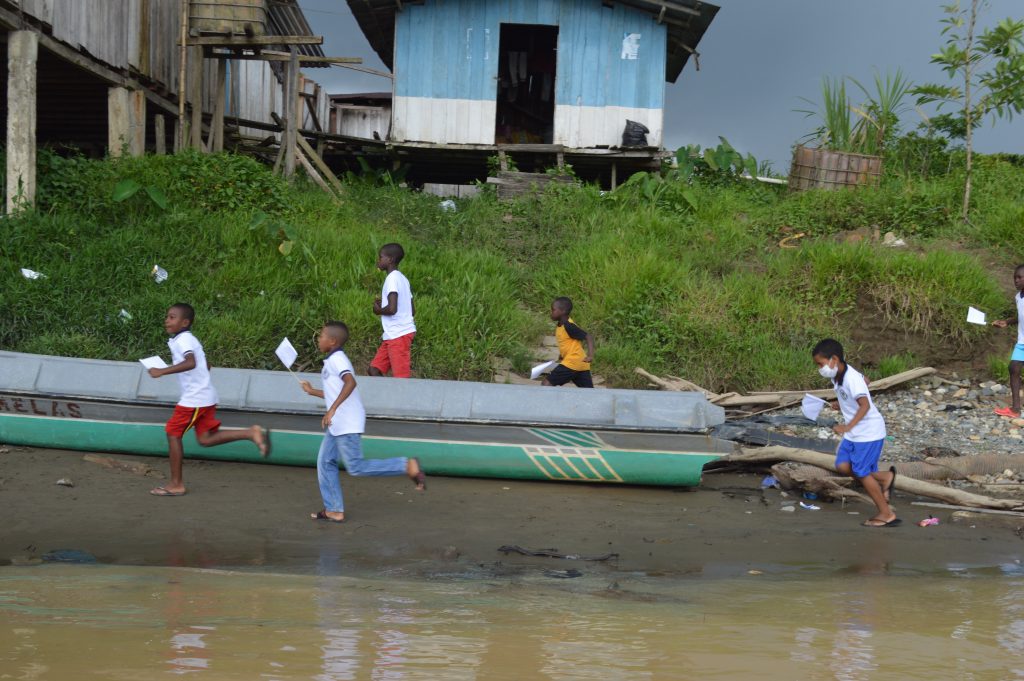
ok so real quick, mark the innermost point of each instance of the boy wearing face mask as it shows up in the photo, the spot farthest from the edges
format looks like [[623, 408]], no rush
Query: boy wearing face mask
[[863, 433]]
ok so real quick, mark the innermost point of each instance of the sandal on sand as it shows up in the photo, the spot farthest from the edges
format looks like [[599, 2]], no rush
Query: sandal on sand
[[1007, 412], [895, 522], [419, 478], [322, 515], [164, 492]]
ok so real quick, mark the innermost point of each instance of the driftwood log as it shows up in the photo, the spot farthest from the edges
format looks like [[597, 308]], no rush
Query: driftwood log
[[904, 483], [777, 399]]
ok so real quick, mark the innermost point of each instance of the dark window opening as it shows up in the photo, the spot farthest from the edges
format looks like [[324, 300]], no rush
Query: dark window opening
[[526, 84]]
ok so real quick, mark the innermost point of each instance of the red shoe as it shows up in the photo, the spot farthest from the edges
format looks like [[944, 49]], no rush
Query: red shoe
[[1008, 413]]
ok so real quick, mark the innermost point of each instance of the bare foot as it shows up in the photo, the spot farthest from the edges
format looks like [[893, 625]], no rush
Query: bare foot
[[416, 474], [329, 516], [168, 491], [261, 438]]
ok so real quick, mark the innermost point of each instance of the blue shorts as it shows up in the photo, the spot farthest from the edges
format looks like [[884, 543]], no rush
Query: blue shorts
[[862, 456], [1018, 353]]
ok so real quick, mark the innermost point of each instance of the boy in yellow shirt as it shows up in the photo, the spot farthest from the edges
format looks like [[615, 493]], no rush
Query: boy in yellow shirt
[[573, 361]]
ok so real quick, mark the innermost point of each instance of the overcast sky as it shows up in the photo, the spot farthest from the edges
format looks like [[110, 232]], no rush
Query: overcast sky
[[757, 59]]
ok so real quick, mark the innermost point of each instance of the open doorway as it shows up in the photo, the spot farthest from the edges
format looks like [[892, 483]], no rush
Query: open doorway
[[526, 84]]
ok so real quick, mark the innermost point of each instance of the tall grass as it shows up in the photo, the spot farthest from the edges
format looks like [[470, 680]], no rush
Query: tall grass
[[703, 293]]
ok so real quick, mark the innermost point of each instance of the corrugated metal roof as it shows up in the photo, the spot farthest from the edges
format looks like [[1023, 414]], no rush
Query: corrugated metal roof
[[687, 20], [286, 18]]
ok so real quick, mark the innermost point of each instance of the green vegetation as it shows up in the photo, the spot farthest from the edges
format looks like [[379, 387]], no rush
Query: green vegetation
[[680, 276]]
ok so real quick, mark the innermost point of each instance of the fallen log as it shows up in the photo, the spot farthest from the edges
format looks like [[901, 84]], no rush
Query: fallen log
[[904, 483], [972, 509], [826, 484]]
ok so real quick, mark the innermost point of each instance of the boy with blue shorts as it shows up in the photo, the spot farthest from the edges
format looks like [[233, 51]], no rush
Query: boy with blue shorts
[[863, 431], [343, 425], [1017, 358]]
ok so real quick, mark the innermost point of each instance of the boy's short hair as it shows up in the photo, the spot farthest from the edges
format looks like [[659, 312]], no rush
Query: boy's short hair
[[187, 311], [338, 331], [563, 303], [828, 349], [393, 251], [1018, 268]]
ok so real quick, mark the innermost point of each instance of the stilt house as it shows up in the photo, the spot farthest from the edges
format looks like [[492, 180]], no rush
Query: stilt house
[[562, 73]]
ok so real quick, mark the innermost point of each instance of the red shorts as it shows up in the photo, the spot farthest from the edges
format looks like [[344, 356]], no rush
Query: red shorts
[[395, 355], [202, 419]]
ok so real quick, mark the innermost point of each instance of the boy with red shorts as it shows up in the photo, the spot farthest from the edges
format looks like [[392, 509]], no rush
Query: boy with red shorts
[[395, 352], [197, 408]]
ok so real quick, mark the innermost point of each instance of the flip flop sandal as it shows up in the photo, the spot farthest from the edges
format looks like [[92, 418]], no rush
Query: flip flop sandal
[[164, 492], [895, 522], [1007, 412], [322, 515]]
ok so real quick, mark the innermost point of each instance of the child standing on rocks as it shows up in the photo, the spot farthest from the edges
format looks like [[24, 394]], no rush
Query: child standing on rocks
[[1017, 357], [863, 433]]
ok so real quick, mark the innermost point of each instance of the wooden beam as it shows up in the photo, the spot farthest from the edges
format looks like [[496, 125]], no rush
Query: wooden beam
[[182, 64], [665, 4], [319, 163], [256, 41], [274, 55], [195, 97], [216, 142], [159, 134], [22, 65]]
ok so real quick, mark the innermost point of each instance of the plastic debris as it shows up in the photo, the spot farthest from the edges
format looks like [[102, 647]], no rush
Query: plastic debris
[[810, 507], [159, 274], [769, 481], [810, 495], [927, 522], [125, 315], [788, 509], [65, 482], [448, 206], [32, 274], [68, 556]]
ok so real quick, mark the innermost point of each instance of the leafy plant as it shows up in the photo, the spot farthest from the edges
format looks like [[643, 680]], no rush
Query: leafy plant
[[127, 188], [991, 68], [376, 177]]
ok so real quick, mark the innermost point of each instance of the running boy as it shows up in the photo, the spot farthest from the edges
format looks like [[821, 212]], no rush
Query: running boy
[[863, 433], [1017, 358], [197, 408], [573, 361], [396, 316], [343, 424]]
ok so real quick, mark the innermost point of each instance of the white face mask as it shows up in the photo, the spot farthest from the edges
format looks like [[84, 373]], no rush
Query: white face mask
[[828, 371]]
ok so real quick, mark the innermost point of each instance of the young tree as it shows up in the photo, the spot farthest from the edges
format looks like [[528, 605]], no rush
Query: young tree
[[991, 68]]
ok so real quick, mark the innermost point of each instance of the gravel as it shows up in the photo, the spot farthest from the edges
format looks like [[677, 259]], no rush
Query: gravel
[[951, 414]]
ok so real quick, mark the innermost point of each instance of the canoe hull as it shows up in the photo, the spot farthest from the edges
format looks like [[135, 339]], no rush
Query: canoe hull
[[470, 450]]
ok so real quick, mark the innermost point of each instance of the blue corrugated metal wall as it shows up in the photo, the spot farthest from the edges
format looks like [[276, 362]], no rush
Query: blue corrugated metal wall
[[448, 49]]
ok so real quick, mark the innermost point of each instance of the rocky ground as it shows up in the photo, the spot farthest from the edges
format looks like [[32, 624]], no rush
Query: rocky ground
[[937, 416]]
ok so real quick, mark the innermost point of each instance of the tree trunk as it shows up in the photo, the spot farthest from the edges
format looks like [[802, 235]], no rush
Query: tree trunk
[[968, 111]]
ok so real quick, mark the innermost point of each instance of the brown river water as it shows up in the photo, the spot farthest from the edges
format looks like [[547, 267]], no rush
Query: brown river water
[[121, 622]]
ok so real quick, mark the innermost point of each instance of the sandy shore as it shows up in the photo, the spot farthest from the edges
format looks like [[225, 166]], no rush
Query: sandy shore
[[238, 515]]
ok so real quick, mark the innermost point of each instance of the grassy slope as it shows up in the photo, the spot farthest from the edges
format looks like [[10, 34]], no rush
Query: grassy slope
[[703, 293]]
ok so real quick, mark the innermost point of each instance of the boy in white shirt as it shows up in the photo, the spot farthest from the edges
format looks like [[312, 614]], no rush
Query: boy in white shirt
[[863, 433], [396, 316], [344, 424], [197, 408]]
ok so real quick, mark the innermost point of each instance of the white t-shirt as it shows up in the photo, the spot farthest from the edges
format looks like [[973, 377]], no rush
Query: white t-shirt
[[400, 323], [196, 388], [872, 426], [351, 416], [1020, 318]]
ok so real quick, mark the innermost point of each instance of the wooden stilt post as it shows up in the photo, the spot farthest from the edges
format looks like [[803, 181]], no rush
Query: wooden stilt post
[[179, 132], [159, 134], [195, 87], [216, 142], [615, 173], [22, 55], [291, 110]]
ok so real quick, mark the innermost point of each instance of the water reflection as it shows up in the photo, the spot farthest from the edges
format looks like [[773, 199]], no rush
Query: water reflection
[[137, 623]]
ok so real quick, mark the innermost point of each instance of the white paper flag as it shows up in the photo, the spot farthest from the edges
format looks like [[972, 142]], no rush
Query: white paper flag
[[536, 371], [975, 316], [159, 274], [31, 274], [286, 353], [153, 362], [811, 406]]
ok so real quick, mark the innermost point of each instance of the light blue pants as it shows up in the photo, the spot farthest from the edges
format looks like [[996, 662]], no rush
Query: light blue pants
[[349, 447]]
